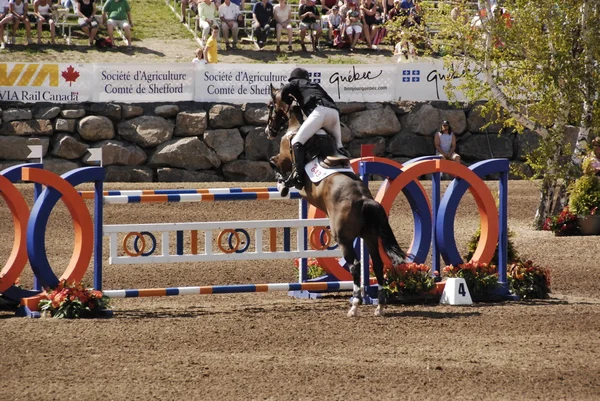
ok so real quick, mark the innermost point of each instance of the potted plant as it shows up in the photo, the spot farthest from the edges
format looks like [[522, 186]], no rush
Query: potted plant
[[584, 200], [564, 223]]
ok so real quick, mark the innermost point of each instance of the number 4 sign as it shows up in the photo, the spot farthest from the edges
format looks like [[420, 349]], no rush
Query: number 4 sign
[[456, 292]]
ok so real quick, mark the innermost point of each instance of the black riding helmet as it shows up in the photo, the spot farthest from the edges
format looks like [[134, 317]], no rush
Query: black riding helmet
[[299, 73]]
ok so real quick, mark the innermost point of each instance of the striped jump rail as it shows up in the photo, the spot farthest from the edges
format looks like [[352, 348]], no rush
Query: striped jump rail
[[229, 289], [190, 195]]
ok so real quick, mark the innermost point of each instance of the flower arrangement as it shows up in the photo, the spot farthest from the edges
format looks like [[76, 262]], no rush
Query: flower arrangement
[[408, 279], [565, 223], [314, 268], [481, 278], [73, 300], [528, 280]]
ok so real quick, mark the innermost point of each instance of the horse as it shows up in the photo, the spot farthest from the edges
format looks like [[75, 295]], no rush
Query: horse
[[349, 204]]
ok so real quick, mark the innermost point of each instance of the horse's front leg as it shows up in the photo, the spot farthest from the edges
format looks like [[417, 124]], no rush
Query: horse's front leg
[[355, 269], [373, 248]]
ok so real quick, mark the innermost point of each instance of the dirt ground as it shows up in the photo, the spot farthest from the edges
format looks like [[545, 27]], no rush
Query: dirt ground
[[273, 347]]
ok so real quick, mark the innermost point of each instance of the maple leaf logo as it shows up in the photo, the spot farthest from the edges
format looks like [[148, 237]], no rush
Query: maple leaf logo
[[70, 75]]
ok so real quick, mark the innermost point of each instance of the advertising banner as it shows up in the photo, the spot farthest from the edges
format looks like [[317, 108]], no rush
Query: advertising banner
[[46, 82], [143, 82]]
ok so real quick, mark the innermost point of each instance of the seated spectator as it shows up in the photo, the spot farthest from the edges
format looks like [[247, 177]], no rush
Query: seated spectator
[[117, 14], [229, 13], [396, 11], [283, 19], [199, 59], [309, 15], [594, 158], [42, 10], [353, 24], [262, 14], [334, 24], [326, 5], [210, 50], [207, 18], [86, 11], [445, 143], [19, 10], [242, 17], [407, 5], [371, 25]]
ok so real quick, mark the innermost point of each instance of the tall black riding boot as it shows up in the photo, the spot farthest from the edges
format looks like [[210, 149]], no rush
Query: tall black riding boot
[[298, 149]]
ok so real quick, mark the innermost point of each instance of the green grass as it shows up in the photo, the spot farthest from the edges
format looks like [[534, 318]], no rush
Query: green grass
[[154, 19]]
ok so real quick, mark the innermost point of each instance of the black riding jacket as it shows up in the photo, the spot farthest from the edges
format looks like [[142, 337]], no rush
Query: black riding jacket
[[308, 94]]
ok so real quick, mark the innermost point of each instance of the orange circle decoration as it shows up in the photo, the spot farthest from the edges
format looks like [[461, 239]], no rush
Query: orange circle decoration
[[315, 238], [142, 248], [20, 212], [232, 232]]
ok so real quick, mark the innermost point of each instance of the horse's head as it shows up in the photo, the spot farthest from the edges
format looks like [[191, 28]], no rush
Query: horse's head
[[282, 162], [278, 114]]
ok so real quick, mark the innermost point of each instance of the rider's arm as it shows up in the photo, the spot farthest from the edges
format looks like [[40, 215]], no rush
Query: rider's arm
[[289, 93]]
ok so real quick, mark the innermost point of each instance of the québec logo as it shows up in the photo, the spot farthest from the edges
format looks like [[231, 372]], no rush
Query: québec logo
[[315, 77], [411, 75]]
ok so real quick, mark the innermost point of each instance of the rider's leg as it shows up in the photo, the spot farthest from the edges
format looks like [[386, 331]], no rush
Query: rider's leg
[[298, 150], [332, 125], [311, 125]]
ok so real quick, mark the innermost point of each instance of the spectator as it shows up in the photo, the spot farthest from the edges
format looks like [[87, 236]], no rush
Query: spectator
[[207, 17], [334, 23], [594, 158], [262, 15], [69, 4], [309, 15], [406, 6], [405, 47], [86, 11], [396, 11], [368, 10], [445, 143], [326, 5], [353, 24], [19, 10], [229, 13], [117, 13], [199, 56], [210, 50], [283, 18], [41, 10], [242, 17]]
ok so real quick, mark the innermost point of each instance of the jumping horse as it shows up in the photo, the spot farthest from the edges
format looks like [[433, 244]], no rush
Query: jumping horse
[[349, 204]]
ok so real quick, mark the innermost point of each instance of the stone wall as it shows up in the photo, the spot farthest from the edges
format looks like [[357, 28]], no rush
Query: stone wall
[[221, 142]]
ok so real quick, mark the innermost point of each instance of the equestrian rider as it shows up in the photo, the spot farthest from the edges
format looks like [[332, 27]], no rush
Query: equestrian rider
[[321, 112]]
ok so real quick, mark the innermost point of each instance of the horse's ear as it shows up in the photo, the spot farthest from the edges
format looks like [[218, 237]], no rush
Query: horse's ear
[[273, 90]]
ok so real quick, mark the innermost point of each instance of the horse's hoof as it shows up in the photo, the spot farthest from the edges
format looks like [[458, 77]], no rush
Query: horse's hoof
[[353, 312], [379, 311]]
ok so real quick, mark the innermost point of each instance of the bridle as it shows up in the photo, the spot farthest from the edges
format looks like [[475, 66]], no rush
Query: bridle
[[278, 118]]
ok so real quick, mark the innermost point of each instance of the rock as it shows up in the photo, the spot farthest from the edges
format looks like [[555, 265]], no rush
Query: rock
[[110, 110], [485, 146], [411, 145], [225, 116], [457, 120], [146, 131], [256, 114], [59, 166], [424, 120], [347, 134], [248, 171], [476, 121], [16, 147], [74, 113], [259, 147], [167, 174], [167, 111], [227, 143], [351, 107], [120, 153], [27, 128], [46, 112], [128, 174], [379, 149], [526, 143], [191, 123], [67, 147], [128, 111], [16, 115], [95, 128], [378, 122], [189, 153], [65, 125]]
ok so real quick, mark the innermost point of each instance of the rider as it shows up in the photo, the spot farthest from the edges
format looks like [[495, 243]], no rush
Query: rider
[[321, 112]]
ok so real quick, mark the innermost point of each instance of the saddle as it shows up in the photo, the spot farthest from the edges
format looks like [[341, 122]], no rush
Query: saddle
[[323, 147]]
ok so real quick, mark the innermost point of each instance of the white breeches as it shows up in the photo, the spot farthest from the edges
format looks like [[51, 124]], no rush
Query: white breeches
[[321, 117]]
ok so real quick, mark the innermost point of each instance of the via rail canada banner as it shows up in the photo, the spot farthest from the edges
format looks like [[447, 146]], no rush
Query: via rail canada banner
[[46, 82], [143, 82]]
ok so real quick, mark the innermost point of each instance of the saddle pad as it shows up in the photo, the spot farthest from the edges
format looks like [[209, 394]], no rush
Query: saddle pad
[[316, 172]]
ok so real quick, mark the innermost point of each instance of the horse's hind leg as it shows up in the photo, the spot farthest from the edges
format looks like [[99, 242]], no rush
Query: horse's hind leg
[[373, 248], [350, 257]]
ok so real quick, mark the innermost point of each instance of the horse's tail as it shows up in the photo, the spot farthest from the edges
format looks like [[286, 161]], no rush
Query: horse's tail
[[376, 220]]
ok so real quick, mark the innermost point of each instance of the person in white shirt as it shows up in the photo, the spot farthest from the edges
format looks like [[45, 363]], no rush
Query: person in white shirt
[[282, 13], [207, 13], [199, 59], [5, 18], [229, 13], [19, 10]]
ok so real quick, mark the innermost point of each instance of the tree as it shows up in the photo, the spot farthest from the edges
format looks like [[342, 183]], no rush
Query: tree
[[536, 62]]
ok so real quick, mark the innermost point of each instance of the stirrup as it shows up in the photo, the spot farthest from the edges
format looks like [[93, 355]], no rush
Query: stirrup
[[342, 151]]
